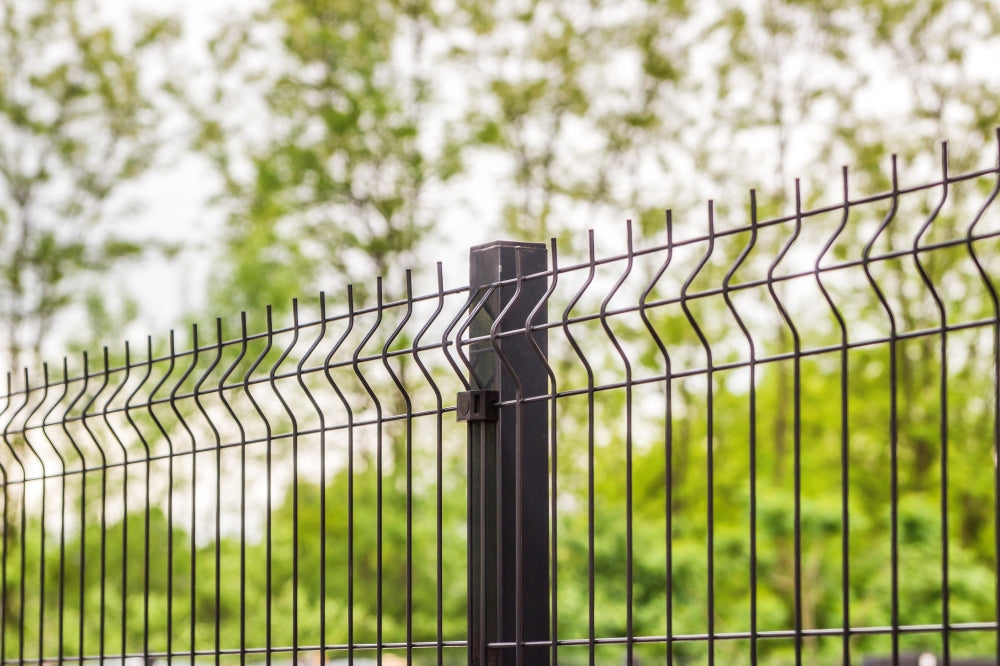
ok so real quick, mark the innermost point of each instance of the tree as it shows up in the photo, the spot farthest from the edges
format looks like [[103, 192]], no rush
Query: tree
[[78, 120], [335, 188]]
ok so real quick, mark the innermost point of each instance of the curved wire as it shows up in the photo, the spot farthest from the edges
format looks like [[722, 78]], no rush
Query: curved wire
[[151, 399], [350, 467], [943, 405], [796, 418], [196, 392], [408, 436], [221, 388], [710, 434], [439, 465], [83, 496], [146, 505], [629, 563], [752, 399], [20, 464], [991, 290], [591, 507], [42, 529], [378, 464], [866, 256], [269, 341], [286, 352], [300, 374], [542, 355], [497, 346], [104, 499], [667, 432], [845, 564]]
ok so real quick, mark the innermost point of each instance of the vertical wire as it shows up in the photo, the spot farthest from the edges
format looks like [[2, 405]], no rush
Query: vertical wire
[[295, 476], [845, 577], [83, 499], [466, 314], [4, 538], [243, 478], [104, 506], [350, 474], [42, 539], [438, 469], [34, 452], [667, 436], [629, 563], [192, 563], [248, 375], [125, 508], [497, 345], [145, 528], [752, 397], [197, 391], [591, 601], [170, 487], [27, 444], [943, 401], [378, 470], [991, 290], [24, 519], [796, 420], [299, 374], [710, 434], [553, 454], [408, 437], [893, 412]]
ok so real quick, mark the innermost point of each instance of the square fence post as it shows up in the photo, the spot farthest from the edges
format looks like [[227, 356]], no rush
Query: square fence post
[[508, 556]]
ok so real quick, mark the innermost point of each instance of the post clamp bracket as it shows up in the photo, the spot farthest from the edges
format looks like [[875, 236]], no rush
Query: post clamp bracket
[[479, 405]]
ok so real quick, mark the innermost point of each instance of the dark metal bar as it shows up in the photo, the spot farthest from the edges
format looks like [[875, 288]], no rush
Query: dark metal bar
[[243, 478], [796, 421], [294, 427], [992, 292], [752, 407], [581, 355], [943, 407], [845, 564], [627, 365], [667, 439], [373, 396], [542, 356], [104, 510], [710, 433], [508, 495], [893, 415], [268, 573], [408, 445], [438, 466]]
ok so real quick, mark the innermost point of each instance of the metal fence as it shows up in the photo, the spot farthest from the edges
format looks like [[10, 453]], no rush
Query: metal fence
[[757, 442]]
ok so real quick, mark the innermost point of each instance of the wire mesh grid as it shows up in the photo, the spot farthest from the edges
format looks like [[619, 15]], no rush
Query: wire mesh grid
[[769, 442]]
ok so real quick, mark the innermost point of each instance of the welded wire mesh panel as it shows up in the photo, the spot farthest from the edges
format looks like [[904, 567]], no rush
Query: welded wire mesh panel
[[776, 442], [762, 441], [291, 495]]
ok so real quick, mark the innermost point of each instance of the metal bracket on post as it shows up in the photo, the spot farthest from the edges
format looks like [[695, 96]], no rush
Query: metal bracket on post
[[508, 483], [475, 406]]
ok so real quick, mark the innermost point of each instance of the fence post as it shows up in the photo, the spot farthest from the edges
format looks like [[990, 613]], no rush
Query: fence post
[[508, 557]]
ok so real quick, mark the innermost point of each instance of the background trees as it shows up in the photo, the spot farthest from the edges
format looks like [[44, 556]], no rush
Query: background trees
[[350, 138], [78, 120]]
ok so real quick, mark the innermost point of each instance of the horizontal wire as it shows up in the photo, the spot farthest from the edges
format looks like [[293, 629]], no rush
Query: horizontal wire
[[406, 352], [657, 248], [610, 386], [562, 642], [768, 634]]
